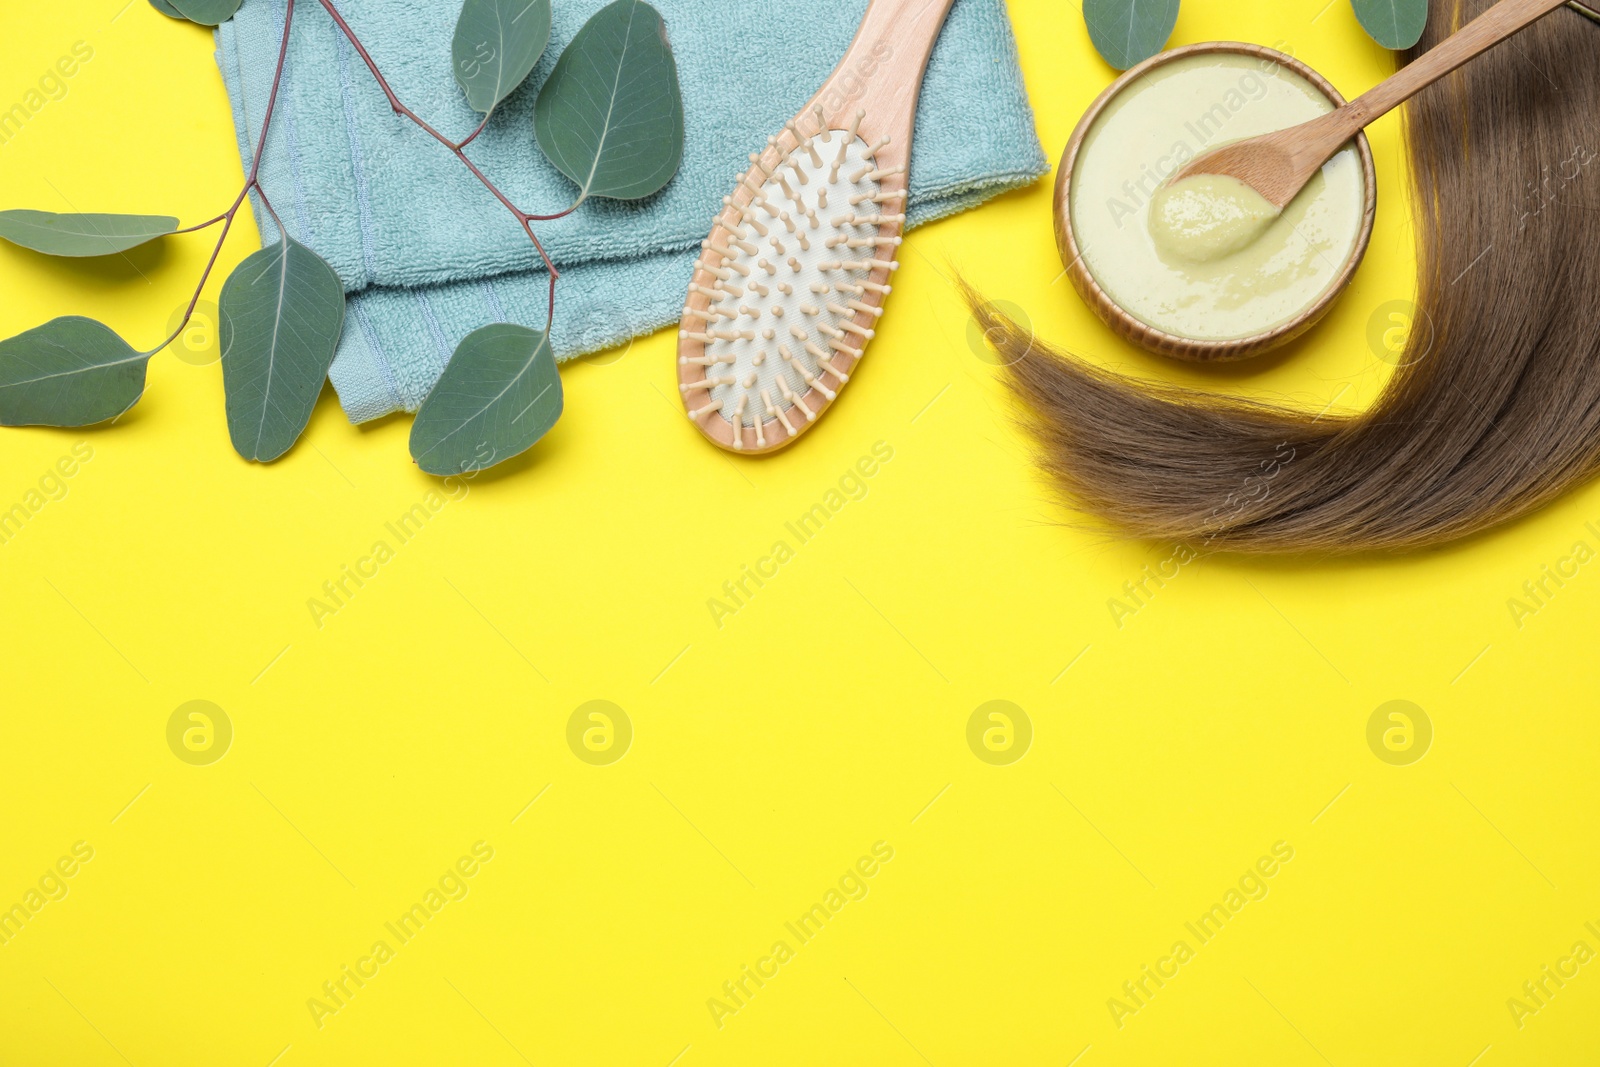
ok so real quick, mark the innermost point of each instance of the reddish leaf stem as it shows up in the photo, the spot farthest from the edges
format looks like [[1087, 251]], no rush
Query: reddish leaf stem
[[252, 181], [473, 136], [200, 226], [458, 148]]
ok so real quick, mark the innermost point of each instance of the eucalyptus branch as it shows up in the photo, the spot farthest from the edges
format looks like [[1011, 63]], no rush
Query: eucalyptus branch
[[458, 149], [252, 181], [282, 310]]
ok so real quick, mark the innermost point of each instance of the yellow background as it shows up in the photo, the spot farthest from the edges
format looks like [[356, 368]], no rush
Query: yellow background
[[830, 713]]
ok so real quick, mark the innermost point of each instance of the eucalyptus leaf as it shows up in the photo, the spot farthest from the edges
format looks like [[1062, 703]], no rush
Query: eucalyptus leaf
[[500, 393], [281, 312], [1395, 24], [69, 372], [611, 115], [496, 46], [82, 235], [205, 12], [1128, 32]]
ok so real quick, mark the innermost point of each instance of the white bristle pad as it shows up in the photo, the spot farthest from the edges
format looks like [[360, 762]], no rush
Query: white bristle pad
[[757, 364]]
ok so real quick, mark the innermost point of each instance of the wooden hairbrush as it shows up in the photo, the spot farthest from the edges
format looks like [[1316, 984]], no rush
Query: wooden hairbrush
[[790, 286]]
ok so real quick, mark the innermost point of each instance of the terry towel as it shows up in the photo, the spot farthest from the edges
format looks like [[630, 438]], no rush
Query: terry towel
[[428, 255]]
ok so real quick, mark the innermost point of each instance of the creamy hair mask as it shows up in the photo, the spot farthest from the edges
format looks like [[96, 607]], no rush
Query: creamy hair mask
[[1204, 268]]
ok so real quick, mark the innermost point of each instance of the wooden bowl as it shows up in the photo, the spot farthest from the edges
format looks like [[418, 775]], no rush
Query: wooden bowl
[[1143, 334]]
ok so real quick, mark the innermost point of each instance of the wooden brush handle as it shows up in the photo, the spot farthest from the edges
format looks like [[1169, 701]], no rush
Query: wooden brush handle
[[1484, 32], [881, 72]]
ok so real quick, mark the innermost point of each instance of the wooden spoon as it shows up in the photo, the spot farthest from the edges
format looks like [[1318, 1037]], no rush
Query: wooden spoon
[[1278, 165]]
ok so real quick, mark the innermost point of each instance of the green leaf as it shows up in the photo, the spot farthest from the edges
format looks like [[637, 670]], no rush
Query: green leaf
[[82, 235], [282, 311], [69, 372], [496, 46], [1396, 24], [1128, 32], [611, 115], [498, 396], [205, 12]]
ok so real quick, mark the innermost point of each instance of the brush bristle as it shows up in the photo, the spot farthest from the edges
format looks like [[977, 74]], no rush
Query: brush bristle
[[787, 275]]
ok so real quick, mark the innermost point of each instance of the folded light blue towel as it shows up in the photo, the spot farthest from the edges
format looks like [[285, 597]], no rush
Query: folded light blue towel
[[428, 255]]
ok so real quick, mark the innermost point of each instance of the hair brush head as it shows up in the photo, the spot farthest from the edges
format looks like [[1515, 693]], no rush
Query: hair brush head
[[790, 285]]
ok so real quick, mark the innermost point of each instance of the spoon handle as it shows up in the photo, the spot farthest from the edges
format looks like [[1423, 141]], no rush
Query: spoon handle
[[1484, 32]]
